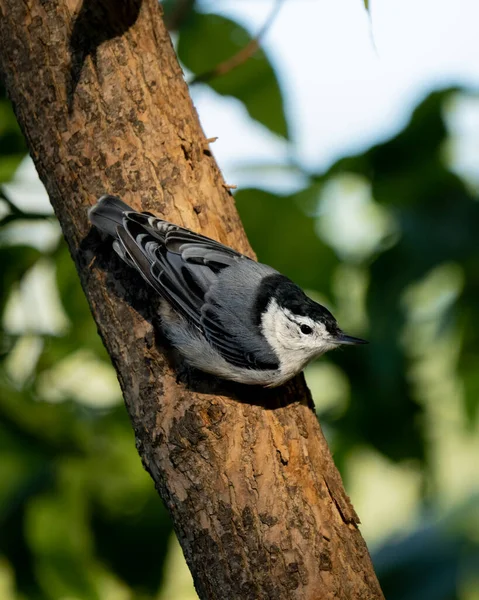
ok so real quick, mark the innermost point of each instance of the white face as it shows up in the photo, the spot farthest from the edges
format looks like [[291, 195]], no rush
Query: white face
[[295, 339]]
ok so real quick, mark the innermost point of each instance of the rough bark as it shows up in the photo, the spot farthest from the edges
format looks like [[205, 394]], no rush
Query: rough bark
[[256, 501]]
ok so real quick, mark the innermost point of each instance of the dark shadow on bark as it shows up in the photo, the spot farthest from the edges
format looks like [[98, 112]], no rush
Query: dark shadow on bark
[[97, 22]]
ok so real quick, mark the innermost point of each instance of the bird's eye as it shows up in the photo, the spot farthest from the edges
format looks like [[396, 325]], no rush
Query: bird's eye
[[306, 329]]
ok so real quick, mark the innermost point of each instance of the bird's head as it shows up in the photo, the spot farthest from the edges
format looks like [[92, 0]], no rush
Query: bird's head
[[299, 329]]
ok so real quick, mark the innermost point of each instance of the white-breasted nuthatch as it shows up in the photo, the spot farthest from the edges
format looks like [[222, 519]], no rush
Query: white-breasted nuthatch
[[225, 313]]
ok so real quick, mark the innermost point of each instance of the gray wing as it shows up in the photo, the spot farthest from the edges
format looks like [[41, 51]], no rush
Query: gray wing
[[192, 272]]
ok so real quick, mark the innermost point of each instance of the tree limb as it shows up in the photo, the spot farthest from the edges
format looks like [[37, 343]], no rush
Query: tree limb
[[256, 501]]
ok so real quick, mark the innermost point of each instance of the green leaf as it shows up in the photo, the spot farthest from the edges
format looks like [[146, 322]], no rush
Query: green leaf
[[291, 245], [175, 12], [82, 332], [207, 40], [14, 263], [12, 142], [428, 563], [8, 165], [60, 539]]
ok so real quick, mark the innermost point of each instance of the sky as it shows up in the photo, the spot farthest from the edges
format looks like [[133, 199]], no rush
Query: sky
[[348, 81]]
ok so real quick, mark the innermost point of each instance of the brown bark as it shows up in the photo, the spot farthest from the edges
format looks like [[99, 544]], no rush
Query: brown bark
[[257, 503]]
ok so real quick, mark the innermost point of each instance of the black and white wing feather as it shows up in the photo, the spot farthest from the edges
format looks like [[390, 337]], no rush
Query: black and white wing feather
[[188, 270]]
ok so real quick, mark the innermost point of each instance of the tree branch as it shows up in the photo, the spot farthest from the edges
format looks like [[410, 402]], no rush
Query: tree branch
[[244, 54], [17, 214], [246, 474]]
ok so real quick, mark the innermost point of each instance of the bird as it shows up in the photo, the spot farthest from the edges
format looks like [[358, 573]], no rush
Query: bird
[[225, 313]]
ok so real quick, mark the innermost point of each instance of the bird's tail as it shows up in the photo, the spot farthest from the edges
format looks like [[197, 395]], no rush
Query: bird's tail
[[107, 214]]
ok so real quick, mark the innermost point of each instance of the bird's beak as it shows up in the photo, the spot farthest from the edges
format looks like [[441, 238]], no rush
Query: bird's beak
[[348, 339]]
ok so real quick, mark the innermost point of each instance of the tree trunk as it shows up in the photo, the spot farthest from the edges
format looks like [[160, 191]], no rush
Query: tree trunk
[[256, 501]]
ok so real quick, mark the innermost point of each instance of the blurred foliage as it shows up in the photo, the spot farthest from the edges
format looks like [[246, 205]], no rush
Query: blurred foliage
[[79, 518], [437, 221], [253, 81], [12, 144]]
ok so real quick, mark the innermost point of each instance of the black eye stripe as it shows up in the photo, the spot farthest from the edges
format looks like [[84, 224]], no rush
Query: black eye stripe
[[306, 329]]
